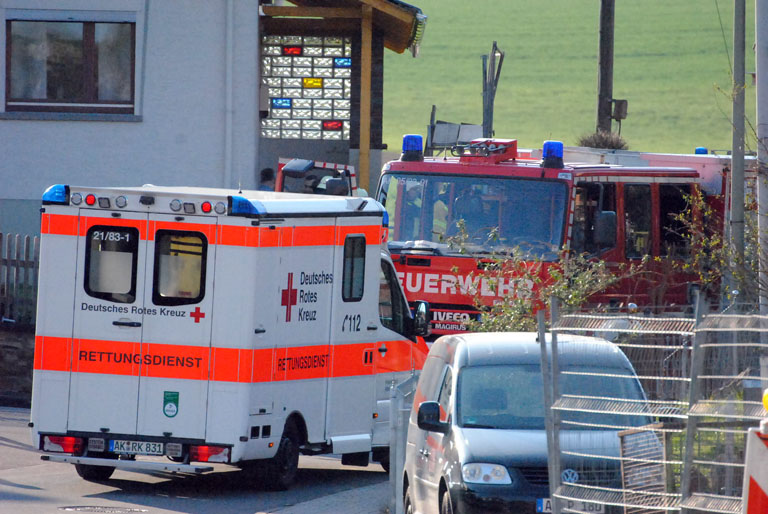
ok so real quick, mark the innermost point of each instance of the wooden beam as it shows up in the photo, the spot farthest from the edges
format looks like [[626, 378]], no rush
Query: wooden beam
[[390, 9], [310, 26], [310, 12], [364, 162]]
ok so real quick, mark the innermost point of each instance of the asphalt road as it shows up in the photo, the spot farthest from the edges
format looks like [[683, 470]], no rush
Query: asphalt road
[[31, 486]]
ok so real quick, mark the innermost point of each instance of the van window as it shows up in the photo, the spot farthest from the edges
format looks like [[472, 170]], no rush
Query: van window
[[391, 302], [353, 274], [180, 258], [111, 256], [509, 396], [444, 399], [673, 203]]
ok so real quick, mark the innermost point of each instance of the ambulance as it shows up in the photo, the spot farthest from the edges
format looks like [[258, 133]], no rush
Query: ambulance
[[180, 327]]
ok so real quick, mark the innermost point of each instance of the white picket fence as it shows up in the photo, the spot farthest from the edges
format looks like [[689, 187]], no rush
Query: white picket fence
[[19, 263]]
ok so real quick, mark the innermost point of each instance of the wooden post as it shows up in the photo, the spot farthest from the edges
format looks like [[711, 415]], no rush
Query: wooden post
[[364, 162]]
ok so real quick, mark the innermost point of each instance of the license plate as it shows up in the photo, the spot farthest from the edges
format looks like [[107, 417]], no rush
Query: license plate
[[136, 447], [545, 505]]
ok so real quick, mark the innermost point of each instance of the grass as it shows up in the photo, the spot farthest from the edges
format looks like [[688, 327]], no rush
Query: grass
[[670, 63]]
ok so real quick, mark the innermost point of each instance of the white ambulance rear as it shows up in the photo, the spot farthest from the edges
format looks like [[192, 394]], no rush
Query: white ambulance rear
[[180, 326]]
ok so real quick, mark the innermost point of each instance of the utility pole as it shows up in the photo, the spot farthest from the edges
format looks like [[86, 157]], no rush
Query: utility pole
[[737, 150], [491, 73], [761, 62], [605, 66]]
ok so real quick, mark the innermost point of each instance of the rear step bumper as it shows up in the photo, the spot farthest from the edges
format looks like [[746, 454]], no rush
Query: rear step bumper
[[129, 465]]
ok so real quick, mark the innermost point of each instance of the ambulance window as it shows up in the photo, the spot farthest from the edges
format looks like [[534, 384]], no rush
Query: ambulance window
[[391, 303], [111, 256], [354, 269], [180, 258]]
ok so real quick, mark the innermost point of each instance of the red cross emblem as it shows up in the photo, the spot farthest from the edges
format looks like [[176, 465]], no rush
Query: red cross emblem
[[289, 297], [197, 314]]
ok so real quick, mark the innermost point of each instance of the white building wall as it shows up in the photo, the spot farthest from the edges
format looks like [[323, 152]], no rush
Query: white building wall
[[185, 131]]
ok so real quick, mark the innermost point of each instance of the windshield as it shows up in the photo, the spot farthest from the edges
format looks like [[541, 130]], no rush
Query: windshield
[[496, 214], [511, 396]]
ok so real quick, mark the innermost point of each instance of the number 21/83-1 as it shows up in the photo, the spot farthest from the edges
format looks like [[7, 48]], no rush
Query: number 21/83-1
[[351, 323]]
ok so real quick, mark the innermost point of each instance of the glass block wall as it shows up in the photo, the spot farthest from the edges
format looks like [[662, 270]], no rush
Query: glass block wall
[[309, 84]]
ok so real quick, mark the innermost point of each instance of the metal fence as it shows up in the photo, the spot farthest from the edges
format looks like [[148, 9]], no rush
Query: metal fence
[[19, 264], [702, 382]]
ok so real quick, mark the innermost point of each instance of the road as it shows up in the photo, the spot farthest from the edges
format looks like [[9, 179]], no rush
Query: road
[[31, 486]]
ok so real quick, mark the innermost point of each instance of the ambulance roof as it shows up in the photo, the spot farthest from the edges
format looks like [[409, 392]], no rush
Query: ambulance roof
[[238, 202]]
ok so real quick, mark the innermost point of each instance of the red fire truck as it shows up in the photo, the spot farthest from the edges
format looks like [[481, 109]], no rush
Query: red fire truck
[[538, 206]]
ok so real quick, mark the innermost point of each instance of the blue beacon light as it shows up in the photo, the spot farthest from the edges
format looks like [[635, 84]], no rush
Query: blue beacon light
[[552, 154], [241, 206], [412, 148], [57, 195]]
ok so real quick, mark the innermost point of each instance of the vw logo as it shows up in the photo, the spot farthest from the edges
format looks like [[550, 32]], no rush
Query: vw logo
[[569, 476]]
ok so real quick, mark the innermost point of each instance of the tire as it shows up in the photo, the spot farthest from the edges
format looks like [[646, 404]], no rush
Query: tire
[[385, 464], [281, 470], [407, 502], [446, 507], [94, 473]]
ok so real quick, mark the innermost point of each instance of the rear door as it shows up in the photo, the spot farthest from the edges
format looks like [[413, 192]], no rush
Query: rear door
[[176, 342], [108, 318]]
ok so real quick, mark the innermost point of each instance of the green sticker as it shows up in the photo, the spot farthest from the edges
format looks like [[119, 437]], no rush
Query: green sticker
[[170, 403]]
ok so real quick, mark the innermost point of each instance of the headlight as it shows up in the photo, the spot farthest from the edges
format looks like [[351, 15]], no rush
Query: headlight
[[477, 473]]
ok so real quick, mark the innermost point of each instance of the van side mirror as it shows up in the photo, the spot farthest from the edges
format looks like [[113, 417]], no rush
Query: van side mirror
[[428, 418], [605, 229], [298, 168]]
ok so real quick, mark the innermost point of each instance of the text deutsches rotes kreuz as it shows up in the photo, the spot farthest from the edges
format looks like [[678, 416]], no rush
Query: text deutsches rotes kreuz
[[307, 298], [435, 283]]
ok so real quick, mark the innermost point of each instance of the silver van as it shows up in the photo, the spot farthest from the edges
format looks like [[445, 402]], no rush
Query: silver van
[[476, 438]]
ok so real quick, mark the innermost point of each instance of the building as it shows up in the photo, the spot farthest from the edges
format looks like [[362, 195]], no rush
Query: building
[[198, 92]]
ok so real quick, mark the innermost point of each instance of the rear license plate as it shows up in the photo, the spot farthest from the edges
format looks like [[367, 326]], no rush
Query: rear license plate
[[545, 505], [136, 447]]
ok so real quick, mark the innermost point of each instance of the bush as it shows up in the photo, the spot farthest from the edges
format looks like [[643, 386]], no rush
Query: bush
[[602, 139]]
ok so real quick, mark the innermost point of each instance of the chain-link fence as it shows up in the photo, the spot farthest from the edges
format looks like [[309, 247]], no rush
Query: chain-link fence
[[701, 383]]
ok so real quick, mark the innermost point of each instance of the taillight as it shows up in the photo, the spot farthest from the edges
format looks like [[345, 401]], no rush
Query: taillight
[[209, 454], [90, 199], [62, 444]]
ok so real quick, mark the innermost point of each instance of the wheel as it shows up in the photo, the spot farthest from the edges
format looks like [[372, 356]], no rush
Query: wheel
[[407, 503], [94, 473], [385, 464], [281, 469], [446, 507]]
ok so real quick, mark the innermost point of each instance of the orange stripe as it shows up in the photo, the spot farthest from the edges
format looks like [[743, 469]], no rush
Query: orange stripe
[[313, 236], [208, 230], [372, 233], [228, 364], [52, 353], [59, 224], [90, 221]]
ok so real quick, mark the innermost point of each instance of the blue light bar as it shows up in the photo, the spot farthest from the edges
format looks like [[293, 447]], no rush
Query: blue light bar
[[701, 150], [552, 149], [57, 195], [412, 143], [385, 220], [342, 62], [241, 206]]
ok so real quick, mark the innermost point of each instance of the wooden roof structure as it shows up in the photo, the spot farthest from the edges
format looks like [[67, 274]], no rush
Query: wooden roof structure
[[401, 25]]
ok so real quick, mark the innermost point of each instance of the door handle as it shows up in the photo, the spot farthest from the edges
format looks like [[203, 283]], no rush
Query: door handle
[[260, 330], [372, 327], [126, 323], [424, 452], [383, 350]]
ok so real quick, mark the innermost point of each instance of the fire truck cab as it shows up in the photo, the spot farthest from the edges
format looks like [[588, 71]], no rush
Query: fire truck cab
[[183, 326], [499, 202]]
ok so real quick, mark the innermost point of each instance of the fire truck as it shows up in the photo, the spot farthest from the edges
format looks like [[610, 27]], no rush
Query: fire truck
[[178, 327], [538, 205]]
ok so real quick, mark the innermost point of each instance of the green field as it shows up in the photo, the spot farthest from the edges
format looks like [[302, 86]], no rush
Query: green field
[[672, 63]]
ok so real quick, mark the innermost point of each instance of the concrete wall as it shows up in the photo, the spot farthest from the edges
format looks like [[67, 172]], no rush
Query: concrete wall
[[196, 100]]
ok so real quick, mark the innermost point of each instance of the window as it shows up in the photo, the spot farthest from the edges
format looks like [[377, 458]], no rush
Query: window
[[58, 66], [392, 308], [308, 83], [444, 399], [111, 256], [637, 220], [180, 259], [353, 275], [591, 200], [672, 204]]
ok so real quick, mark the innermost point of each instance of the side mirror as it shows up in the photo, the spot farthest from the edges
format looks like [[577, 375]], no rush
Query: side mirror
[[428, 418], [421, 319], [605, 229]]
